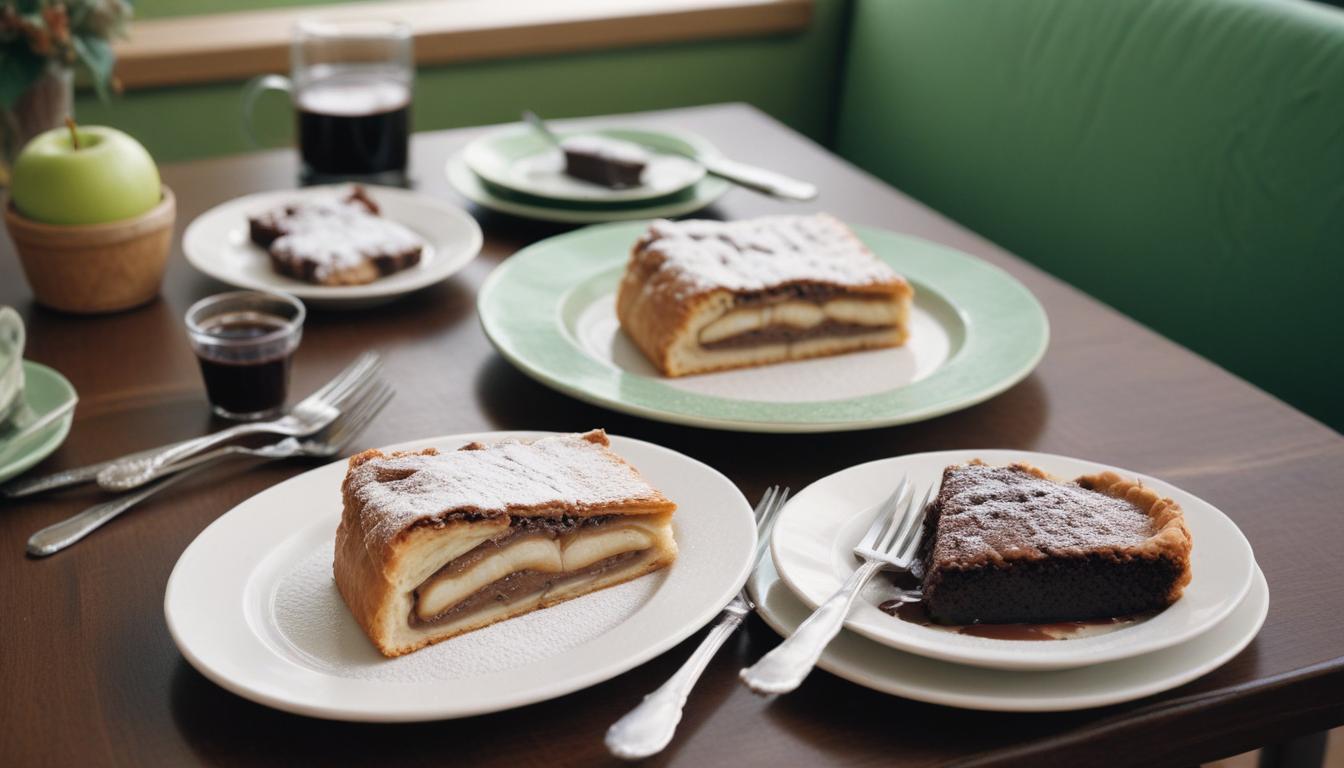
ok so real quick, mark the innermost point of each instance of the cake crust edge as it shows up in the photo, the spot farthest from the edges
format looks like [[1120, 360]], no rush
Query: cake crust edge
[[1170, 540]]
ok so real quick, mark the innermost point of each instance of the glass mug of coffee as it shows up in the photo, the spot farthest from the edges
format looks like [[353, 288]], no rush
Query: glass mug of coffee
[[244, 341], [350, 84]]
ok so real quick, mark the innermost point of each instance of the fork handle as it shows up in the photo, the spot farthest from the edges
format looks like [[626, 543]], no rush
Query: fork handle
[[129, 472], [784, 668], [54, 538], [28, 486], [648, 728], [200, 459]]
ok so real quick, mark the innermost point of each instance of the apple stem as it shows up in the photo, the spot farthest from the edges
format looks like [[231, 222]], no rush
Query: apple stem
[[74, 135]]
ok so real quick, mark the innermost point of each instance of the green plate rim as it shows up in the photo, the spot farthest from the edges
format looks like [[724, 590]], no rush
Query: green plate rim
[[704, 193], [498, 143], [1006, 334], [48, 440]]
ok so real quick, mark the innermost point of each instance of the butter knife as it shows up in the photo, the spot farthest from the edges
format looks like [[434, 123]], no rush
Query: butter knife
[[749, 176]]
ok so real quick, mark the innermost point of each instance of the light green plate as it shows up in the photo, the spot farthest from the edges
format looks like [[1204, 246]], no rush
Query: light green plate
[[975, 331], [519, 159], [44, 391], [472, 187]]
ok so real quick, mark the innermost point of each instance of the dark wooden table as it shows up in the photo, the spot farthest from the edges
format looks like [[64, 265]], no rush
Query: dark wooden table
[[90, 676]]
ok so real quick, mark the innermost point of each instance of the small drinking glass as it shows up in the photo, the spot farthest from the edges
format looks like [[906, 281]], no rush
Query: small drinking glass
[[244, 341], [350, 83]]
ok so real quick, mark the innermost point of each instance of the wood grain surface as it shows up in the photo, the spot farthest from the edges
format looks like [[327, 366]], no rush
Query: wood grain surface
[[90, 675]]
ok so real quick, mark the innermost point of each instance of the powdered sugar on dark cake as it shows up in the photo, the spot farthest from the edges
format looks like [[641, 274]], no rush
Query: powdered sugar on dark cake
[[567, 474], [336, 235], [758, 255], [990, 513]]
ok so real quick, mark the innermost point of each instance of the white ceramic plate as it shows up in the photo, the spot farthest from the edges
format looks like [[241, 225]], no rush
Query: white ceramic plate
[[520, 159], [815, 535], [251, 604], [217, 243], [866, 663]]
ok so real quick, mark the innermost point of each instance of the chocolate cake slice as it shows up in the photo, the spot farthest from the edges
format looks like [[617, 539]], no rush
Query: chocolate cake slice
[[606, 161], [335, 241], [1011, 544], [268, 226]]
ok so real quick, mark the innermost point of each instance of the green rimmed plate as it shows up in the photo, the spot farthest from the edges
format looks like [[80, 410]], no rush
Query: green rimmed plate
[[44, 391], [518, 158], [699, 195], [975, 331]]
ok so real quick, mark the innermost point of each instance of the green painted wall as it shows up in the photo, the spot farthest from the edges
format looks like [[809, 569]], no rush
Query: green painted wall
[[159, 9], [789, 76]]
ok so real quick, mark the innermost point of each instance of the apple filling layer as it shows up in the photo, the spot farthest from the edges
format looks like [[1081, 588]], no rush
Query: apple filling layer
[[754, 324], [530, 560]]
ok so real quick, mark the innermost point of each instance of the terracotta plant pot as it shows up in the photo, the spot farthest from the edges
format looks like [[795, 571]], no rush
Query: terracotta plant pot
[[99, 267]]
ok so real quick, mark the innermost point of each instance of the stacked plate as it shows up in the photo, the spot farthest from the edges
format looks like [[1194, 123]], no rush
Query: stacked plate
[[516, 170], [1220, 612], [36, 403]]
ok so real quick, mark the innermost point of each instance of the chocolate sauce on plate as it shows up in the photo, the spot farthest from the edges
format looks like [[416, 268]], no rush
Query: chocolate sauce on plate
[[915, 613]]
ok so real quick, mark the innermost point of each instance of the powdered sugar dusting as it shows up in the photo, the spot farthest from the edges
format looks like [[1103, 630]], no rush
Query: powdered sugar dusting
[[337, 235], [315, 623], [605, 147], [759, 254], [1008, 512], [565, 473]]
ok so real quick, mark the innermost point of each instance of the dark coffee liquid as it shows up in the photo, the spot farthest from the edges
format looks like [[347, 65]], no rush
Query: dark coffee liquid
[[354, 127], [238, 385]]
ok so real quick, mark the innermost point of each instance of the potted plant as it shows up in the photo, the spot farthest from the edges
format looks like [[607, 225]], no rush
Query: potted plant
[[42, 42]]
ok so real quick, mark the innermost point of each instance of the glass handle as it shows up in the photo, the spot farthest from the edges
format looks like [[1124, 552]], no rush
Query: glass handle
[[254, 88]]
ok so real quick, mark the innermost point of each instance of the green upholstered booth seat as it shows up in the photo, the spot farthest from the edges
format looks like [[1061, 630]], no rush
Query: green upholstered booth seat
[[1182, 160]]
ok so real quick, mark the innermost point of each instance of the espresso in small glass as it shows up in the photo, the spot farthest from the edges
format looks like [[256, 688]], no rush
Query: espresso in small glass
[[244, 341]]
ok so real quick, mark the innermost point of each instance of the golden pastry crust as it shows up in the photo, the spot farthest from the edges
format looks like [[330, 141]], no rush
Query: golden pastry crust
[[406, 515], [669, 292], [1171, 537]]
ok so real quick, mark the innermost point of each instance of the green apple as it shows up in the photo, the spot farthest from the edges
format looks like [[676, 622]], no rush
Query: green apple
[[84, 175]]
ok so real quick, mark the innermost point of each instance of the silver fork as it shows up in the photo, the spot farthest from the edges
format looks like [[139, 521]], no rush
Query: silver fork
[[648, 728], [310, 415], [54, 538], [28, 486], [348, 403], [325, 443], [891, 543]]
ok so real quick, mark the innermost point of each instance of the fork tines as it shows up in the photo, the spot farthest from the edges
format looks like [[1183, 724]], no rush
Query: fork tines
[[894, 535]]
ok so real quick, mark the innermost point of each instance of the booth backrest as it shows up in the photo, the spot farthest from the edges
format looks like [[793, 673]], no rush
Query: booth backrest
[[1182, 160]]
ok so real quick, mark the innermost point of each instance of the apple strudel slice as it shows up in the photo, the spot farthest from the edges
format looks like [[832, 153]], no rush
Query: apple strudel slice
[[432, 545], [700, 296]]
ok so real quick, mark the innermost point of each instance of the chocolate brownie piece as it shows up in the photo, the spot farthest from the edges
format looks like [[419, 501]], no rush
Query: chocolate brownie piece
[[337, 241], [606, 161], [1010, 544], [266, 227]]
